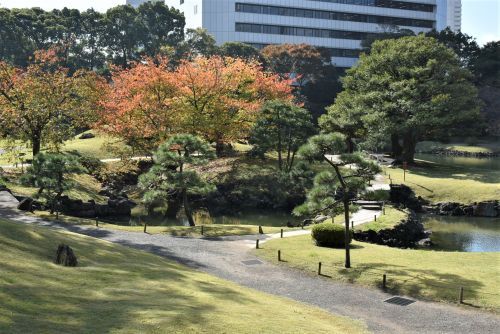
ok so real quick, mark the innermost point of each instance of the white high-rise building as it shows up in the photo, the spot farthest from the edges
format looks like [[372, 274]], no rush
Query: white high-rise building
[[339, 25]]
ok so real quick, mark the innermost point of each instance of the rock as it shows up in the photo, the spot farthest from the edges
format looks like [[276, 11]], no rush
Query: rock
[[26, 204], [426, 242], [406, 234], [307, 222], [402, 195], [65, 256], [87, 135], [320, 218], [486, 209]]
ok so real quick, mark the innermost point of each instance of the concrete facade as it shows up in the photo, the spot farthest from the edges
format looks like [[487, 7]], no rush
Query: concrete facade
[[339, 25]]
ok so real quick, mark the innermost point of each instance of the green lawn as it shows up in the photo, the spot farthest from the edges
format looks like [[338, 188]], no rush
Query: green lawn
[[120, 290], [480, 147], [391, 218], [426, 274], [86, 188], [445, 183], [92, 147]]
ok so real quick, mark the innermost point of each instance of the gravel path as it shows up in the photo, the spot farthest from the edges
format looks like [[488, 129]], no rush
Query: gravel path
[[223, 257]]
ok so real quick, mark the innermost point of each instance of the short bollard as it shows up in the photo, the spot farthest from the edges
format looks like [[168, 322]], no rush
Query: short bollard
[[352, 224], [302, 225], [257, 244], [96, 222], [319, 268], [461, 295], [282, 233], [145, 227], [260, 230], [383, 210], [202, 230], [375, 217], [279, 255], [384, 282]]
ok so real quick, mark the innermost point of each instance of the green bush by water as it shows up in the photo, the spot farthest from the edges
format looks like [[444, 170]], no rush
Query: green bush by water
[[329, 235]]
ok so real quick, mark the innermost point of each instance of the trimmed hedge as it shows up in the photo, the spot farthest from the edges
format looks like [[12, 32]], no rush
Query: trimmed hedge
[[329, 235]]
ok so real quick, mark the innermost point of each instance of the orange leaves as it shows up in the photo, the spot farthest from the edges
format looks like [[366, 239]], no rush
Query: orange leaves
[[216, 98]]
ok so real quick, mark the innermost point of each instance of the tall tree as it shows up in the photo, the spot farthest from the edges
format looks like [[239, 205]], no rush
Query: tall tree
[[409, 89], [463, 45], [41, 104], [282, 127], [315, 78], [164, 26], [138, 106], [221, 97], [486, 66], [240, 50], [172, 174], [338, 186]]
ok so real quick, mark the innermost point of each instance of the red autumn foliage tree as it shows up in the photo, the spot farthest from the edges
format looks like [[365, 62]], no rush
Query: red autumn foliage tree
[[221, 97], [215, 98], [43, 103], [138, 105]]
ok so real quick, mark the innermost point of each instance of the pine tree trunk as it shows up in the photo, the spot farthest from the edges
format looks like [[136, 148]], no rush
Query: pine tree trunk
[[396, 148], [187, 210], [347, 232], [36, 143], [409, 146]]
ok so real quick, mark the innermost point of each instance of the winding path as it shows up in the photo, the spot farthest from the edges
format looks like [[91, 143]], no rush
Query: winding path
[[223, 257]]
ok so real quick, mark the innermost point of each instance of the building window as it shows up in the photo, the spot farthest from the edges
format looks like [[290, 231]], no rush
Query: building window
[[329, 15], [301, 31]]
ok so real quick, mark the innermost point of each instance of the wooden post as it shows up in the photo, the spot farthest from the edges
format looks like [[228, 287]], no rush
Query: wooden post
[[375, 216], [352, 224], [384, 282], [302, 226], [279, 255], [260, 230], [319, 268], [145, 227], [257, 244], [202, 230], [383, 209], [282, 233], [97, 221], [461, 295]]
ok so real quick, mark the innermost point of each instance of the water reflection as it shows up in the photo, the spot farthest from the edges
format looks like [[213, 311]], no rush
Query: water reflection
[[467, 234]]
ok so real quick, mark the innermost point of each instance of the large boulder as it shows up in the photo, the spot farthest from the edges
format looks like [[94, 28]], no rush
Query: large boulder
[[65, 256], [87, 135], [486, 209], [406, 234], [26, 204]]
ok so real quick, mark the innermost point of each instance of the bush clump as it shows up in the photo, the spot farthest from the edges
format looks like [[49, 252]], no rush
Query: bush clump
[[329, 235]]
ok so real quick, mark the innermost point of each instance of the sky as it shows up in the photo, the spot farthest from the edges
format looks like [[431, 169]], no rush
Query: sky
[[480, 18]]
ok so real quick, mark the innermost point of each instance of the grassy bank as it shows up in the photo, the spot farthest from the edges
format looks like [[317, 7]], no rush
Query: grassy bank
[[445, 183], [119, 290], [432, 275], [479, 147], [391, 218], [213, 230]]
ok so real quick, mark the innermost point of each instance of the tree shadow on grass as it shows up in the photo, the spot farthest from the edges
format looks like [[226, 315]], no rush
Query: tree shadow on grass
[[424, 284], [113, 288]]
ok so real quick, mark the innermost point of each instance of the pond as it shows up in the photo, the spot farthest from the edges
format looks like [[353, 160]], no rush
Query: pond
[[466, 234], [277, 218]]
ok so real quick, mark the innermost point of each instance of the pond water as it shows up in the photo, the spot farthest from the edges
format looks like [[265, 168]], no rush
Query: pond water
[[468, 162], [466, 234], [203, 218]]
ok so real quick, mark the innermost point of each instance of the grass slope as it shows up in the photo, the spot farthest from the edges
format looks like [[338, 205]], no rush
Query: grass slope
[[391, 218], [442, 183], [120, 290], [433, 275], [480, 147], [214, 230]]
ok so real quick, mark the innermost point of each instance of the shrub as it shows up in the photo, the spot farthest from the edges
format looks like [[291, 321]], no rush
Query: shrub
[[93, 165], [376, 195], [329, 235]]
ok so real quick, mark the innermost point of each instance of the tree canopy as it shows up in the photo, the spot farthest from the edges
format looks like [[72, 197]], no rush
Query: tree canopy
[[407, 89], [43, 103], [173, 176]]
